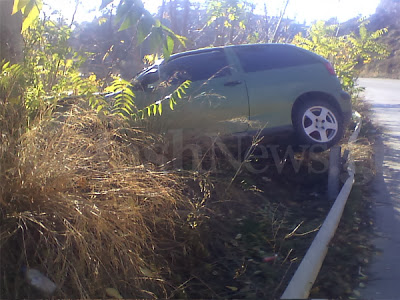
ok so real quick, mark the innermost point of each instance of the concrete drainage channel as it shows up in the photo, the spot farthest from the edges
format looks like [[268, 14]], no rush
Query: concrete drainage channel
[[302, 281]]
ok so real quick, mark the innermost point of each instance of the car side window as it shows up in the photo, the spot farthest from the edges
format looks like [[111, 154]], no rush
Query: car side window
[[261, 58], [195, 67]]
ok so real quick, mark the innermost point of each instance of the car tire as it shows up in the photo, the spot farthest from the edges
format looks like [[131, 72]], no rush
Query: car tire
[[317, 122]]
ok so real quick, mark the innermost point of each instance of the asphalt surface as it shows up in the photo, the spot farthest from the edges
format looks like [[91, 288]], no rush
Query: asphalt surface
[[384, 270]]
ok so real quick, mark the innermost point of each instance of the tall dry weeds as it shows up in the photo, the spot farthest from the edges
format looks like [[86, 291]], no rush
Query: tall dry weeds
[[78, 204]]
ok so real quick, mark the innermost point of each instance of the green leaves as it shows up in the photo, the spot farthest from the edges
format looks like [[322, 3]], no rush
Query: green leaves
[[232, 14], [144, 28], [31, 13], [346, 53], [18, 5], [30, 10], [11, 81], [178, 94], [124, 104], [160, 108], [168, 47], [130, 14], [159, 36], [52, 70]]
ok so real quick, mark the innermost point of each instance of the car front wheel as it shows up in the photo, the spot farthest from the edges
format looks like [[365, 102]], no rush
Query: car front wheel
[[317, 122]]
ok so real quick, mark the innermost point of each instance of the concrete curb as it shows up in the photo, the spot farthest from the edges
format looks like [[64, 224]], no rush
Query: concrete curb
[[302, 281]]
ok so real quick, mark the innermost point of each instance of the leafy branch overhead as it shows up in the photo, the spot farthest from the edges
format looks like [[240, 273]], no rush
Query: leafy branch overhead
[[130, 14], [30, 11]]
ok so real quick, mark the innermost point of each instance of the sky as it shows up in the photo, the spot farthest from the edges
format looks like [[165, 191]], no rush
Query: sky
[[301, 10], [306, 10]]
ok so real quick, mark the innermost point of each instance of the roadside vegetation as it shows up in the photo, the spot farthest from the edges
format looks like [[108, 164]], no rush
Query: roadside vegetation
[[81, 201], [386, 14]]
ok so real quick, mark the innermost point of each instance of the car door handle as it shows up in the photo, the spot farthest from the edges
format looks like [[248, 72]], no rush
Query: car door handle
[[232, 83]]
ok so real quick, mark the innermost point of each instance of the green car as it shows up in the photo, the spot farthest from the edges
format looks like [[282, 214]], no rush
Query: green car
[[247, 88]]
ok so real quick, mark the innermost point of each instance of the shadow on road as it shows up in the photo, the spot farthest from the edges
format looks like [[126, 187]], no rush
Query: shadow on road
[[384, 271]]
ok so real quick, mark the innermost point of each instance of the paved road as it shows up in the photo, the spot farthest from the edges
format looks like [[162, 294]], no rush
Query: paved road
[[384, 271]]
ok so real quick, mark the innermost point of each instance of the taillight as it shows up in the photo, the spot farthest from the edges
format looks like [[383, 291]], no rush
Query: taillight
[[330, 68]]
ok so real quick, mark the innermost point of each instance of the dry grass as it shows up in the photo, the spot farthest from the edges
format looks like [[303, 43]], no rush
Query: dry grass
[[77, 204], [362, 150]]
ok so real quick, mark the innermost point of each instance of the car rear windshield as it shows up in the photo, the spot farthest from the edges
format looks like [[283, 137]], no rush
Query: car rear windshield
[[267, 57], [198, 66]]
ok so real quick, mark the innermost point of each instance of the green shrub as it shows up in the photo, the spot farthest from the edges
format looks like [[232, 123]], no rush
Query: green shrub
[[346, 52]]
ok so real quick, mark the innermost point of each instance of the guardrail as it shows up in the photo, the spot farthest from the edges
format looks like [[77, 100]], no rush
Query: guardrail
[[302, 281]]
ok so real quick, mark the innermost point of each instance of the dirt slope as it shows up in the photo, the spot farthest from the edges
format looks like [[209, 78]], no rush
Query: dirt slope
[[387, 15]]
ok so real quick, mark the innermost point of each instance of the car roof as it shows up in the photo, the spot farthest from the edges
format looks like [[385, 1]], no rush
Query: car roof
[[211, 49]]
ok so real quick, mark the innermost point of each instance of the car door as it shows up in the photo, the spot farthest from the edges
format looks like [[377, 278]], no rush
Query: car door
[[216, 100], [274, 75]]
